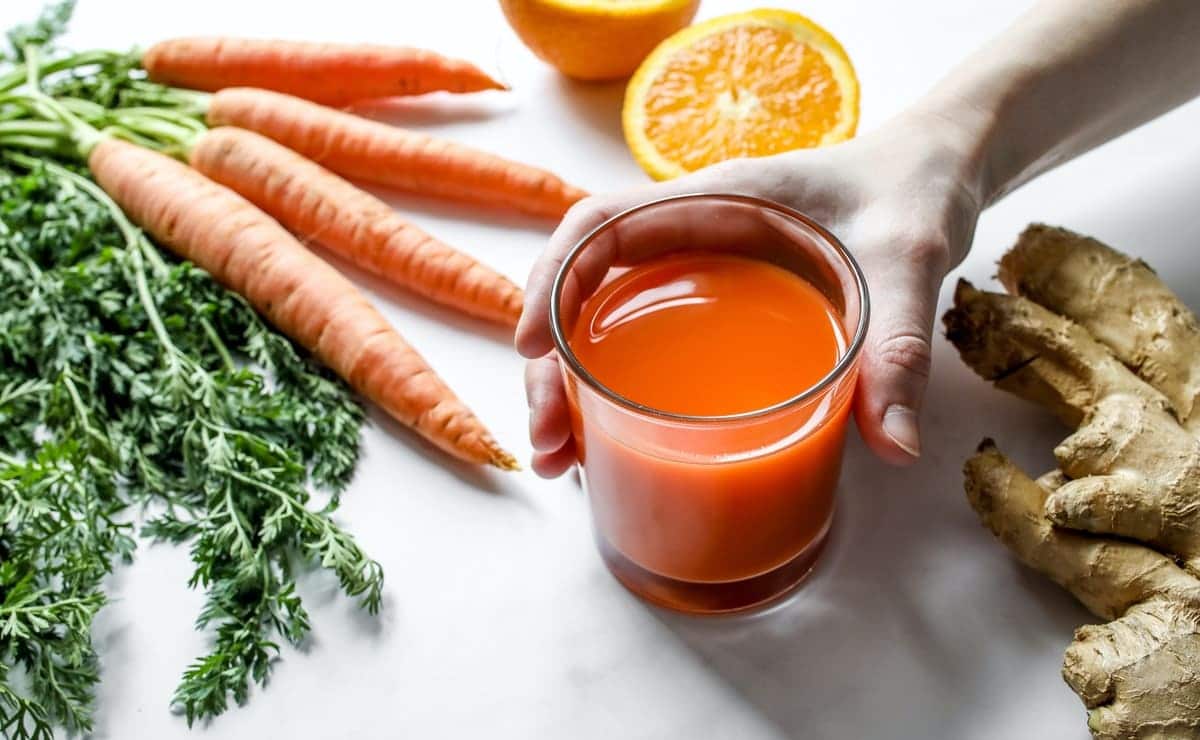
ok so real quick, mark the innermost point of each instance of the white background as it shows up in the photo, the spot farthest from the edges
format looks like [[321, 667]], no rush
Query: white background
[[500, 620]]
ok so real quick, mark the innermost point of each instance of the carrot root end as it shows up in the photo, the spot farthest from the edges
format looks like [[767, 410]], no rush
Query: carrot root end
[[504, 460]]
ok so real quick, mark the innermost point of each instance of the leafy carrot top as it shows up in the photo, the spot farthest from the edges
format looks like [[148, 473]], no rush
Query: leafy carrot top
[[131, 381]]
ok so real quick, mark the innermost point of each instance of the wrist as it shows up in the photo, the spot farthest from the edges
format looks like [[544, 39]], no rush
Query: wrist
[[934, 170], [963, 134]]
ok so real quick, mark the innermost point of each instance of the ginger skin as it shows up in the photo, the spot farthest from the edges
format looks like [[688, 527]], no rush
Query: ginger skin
[[1137, 674], [1122, 371], [1118, 300]]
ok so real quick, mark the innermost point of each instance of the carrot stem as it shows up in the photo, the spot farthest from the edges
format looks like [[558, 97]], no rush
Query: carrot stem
[[218, 345], [82, 134], [19, 74], [34, 143], [135, 243], [26, 127]]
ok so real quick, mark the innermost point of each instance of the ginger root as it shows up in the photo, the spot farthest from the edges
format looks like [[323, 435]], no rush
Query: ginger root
[[1097, 338]]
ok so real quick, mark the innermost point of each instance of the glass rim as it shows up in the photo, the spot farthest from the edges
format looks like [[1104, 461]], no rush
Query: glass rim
[[844, 363]]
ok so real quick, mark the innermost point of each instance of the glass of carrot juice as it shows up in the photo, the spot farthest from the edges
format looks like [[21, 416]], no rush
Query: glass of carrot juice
[[709, 346]]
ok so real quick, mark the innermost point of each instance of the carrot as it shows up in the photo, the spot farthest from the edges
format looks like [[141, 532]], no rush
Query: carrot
[[332, 74], [317, 205], [247, 251], [377, 153]]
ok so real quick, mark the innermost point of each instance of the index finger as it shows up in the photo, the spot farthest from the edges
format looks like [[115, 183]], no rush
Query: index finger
[[533, 337], [683, 225]]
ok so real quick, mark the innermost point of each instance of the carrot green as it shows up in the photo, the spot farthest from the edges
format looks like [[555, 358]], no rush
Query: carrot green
[[133, 386]]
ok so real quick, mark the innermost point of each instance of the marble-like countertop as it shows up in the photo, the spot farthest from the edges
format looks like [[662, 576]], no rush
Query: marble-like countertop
[[500, 620]]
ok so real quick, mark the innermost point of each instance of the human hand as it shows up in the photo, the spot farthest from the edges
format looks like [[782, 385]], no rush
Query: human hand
[[903, 199]]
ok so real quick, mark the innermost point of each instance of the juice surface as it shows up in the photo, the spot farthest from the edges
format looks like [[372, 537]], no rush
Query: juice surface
[[707, 334]]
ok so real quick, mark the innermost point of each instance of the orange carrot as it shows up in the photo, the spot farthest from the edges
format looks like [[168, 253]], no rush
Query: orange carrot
[[317, 205], [308, 300], [377, 153], [333, 74]]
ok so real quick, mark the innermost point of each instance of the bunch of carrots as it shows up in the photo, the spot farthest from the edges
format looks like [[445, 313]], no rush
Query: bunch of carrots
[[265, 168]]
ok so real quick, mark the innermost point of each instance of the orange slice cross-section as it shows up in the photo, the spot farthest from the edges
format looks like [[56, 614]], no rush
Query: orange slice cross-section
[[743, 85]]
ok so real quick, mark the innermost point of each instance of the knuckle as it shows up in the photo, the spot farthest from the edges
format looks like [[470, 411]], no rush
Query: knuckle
[[730, 174], [725, 166], [909, 351], [908, 240]]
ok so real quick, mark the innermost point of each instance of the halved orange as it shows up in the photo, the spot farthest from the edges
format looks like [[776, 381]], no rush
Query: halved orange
[[742, 85]]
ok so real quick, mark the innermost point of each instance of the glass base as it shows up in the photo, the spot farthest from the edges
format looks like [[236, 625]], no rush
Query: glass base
[[693, 597]]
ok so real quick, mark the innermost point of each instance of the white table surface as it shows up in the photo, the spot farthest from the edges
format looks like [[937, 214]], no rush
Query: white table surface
[[500, 620]]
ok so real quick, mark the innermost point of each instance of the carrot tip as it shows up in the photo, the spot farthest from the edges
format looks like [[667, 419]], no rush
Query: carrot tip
[[503, 460]]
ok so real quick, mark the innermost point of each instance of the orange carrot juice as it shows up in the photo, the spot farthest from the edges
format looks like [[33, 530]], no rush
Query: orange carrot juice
[[718, 501], [708, 334]]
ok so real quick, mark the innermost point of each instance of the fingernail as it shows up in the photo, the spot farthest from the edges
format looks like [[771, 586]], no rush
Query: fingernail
[[900, 423]]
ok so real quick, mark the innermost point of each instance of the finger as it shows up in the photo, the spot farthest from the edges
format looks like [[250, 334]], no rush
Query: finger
[[533, 337], [549, 420], [1108, 504], [669, 227], [554, 464], [896, 357]]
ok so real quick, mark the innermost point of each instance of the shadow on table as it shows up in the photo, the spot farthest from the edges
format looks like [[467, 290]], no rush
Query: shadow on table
[[596, 105], [468, 326], [1159, 224], [912, 595], [872, 645], [434, 109], [414, 203], [483, 479]]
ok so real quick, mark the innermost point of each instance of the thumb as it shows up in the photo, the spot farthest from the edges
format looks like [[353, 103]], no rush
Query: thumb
[[897, 354]]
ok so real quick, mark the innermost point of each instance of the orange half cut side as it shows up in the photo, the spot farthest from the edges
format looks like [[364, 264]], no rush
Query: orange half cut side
[[742, 85]]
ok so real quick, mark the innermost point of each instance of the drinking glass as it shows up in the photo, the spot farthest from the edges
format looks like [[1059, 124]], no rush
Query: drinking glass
[[710, 514]]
